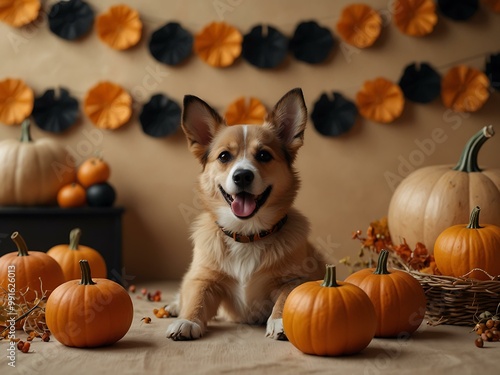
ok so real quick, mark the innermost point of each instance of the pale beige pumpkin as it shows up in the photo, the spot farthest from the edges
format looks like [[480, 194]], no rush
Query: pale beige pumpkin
[[32, 172], [431, 199]]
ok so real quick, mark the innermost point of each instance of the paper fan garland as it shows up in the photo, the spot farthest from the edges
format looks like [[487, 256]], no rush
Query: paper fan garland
[[218, 44], [420, 83], [108, 105], [333, 117], [245, 111], [464, 89], [160, 116], [493, 70], [171, 44], [120, 27], [415, 17], [493, 5], [18, 13], [16, 101], [265, 47], [359, 25], [55, 111], [380, 100], [458, 10], [311, 43], [71, 19]]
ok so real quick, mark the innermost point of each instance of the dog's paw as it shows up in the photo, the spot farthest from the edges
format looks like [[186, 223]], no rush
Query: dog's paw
[[173, 308], [274, 329], [183, 329]]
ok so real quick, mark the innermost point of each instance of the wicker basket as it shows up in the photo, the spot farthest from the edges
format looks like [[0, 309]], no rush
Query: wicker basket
[[458, 301]]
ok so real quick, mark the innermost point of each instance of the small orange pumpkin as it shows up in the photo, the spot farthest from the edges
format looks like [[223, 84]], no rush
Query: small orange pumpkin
[[31, 271], [93, 171], [398, 298], [69, 255], [71, 195], [462, 248], [89, 313], [329, 317]]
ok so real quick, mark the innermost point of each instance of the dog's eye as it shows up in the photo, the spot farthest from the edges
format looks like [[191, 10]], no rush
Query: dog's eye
[[225, 157], [263, 156]]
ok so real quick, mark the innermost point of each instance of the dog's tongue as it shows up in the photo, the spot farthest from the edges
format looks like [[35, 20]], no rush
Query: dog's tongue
[[243, 204]]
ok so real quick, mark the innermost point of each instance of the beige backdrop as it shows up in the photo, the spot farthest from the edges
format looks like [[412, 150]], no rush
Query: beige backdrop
[[344, 183]]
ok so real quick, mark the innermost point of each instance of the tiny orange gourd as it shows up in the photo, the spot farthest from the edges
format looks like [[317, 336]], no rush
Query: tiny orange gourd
[[69, 255], [463, 248], [89, 313], [328, 317], [32, 272], [72, 195], [398, 298], [93, 171]]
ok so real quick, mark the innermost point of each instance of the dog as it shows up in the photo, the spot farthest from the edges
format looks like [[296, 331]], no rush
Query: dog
[[250, 244]]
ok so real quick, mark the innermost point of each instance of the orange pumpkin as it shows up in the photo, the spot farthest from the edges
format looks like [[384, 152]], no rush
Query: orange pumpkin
[[463, 248], [329, 317], [398, 298], [71, 195], [93, 171], [33, 272], [89, 313], [69, 255]]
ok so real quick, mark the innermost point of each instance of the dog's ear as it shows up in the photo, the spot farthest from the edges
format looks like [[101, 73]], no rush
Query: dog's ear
[[288, 118], [200, 122]]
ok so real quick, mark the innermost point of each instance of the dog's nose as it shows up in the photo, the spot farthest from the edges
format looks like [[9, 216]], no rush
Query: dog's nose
[[243, 177]]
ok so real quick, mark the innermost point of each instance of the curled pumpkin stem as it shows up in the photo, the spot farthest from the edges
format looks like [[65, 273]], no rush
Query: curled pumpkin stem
[[22, 248], [468, 159], [474, 218]]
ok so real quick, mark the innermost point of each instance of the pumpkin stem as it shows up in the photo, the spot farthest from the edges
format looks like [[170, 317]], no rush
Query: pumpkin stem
[[382, 263], [330, 276], [468, 159], [86, 275], [474, 219], [74, 238], [22, 249], [25, 131]]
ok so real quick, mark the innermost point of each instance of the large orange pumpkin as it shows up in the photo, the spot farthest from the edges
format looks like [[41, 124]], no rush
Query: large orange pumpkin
[[433, 198], [398, 298], [69, 255], [33, 272], [32, 172], [463, 248], [329, 317], [89, 313]]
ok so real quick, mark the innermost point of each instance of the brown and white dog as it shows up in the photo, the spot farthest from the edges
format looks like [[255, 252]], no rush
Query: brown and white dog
[[250, 245]]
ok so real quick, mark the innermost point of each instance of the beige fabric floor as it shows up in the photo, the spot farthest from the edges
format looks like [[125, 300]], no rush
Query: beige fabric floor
[[240, 349]]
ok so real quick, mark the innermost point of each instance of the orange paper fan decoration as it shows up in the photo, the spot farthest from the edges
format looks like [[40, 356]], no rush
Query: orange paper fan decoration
[[108, 105], [359, 25], [16, 101], [493, 5], [380, 100], [120, 27], [218, 44], [415, 17], [18, 13], [464, 89], [243, 111]]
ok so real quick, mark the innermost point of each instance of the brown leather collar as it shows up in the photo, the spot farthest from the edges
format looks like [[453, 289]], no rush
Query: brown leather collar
[[243, 238]]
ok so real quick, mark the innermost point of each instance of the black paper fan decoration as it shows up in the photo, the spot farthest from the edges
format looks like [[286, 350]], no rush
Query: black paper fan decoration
[[71, 19], [160, 116], [264, 47], [420, 84], [458, 10], [493, 70], [311, 43], [171, 44], [55, 111], [333, 117]]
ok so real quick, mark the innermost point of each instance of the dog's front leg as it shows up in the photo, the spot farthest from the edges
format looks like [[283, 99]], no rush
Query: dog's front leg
[[274, 327], [199, 301]]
